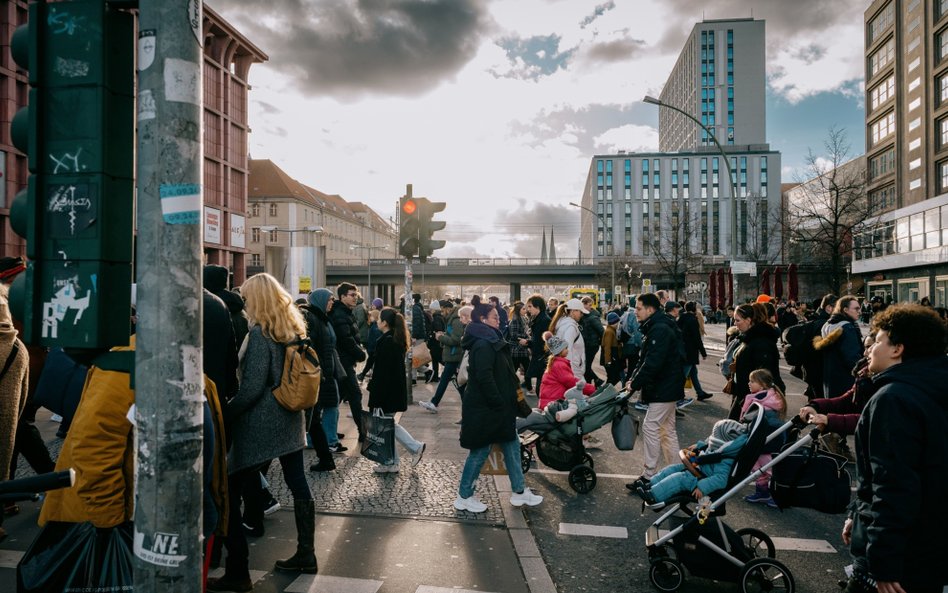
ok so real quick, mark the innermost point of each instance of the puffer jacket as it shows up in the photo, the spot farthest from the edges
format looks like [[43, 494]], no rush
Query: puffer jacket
[[592, 328], [902, 475], [557, 380], [570, 332], [840, 345], [387, 388], [323, 339], [489, 405], [450, 340], [660, 373]]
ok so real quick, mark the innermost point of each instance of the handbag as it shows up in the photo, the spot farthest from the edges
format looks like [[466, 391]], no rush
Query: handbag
[[420, 355], [813, 478], [523, 408], [379, 443], [625, 429], [729, 386], [494, 464], [77, 557], [60, 384], [461, 379]]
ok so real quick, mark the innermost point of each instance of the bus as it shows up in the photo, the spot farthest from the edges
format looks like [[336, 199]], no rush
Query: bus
[[579, 293]]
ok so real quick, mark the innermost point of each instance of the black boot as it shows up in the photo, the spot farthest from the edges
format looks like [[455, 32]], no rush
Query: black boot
[[304, 560]]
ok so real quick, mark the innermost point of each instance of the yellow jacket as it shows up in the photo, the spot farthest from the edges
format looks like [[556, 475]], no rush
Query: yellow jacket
[[100, 447]]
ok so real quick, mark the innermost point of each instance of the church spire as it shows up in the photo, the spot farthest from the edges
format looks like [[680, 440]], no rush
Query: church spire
[[551, 259], [543, 260]]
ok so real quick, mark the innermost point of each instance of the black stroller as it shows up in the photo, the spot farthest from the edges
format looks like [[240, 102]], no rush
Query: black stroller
[[560, 445], [698, 539]]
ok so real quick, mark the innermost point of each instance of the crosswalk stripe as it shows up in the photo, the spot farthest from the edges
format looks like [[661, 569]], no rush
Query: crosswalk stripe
[[594, 530], [10, 558], [255, 575], [430, 589], [795, 544], [313, 583], [598, 475]]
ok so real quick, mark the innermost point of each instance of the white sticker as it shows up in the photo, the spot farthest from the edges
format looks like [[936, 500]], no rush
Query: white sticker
[[163, 550], [194, 17], [182, 81], [146, 48], [146, 105], [181, 203]]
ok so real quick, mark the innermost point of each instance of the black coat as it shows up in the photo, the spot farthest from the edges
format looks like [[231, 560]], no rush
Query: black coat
[[691, 334], [388, 388], [591, 327], [841, 348], [902, 475], [321, 337], [757, 350], [538, 325], [348, 344], [220, 347], [660, 373], [489, 405]]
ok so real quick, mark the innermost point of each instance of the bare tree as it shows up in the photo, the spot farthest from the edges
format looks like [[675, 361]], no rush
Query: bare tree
[[672, 249], [763, 233], [824, 208]]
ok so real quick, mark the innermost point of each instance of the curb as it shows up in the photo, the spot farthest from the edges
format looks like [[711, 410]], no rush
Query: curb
[[525, 545]]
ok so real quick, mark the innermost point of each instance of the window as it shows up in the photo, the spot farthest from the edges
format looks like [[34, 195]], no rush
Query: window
[[942, 45], [941, 8], [273, 209], [943, 87], [255, 209], [882, 164], [273, 236], [716, 228], [932, 229], [882, 93], [943, 133], [881, 58], [943, 176], [882, 127], [255, 260], [882, 199], [254, 235], [880, 22]]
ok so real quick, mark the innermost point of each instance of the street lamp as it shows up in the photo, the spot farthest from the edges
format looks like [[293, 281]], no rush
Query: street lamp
[[727, 164], [612, 247], [368, 261]]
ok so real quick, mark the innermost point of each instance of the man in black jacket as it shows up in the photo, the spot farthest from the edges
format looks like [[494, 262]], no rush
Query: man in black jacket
[[349, 349], [660, 377], [813, 360], [326, 414], [539, 323], [898, 514], [591, 327], [694, 345]]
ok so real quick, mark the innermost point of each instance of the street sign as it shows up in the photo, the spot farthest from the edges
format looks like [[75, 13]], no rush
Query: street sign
[[744, 267], [646, 285], [617, 290]]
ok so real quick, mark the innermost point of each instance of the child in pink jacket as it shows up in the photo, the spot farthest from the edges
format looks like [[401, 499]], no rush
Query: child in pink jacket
[[558, 377], [763, 390]]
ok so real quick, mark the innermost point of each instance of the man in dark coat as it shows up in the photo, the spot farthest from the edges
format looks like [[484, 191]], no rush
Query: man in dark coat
[[813, 360], [591, 327], [349, 348], [840, 345], [694, 345], [539, 323], [901, 461], [660, 377], [220, 347], [215, 280], [321, 337]]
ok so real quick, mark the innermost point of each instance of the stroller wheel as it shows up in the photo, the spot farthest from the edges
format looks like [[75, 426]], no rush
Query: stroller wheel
[[766, 574], [526, 458], [666, 574], [757, 543], [582, 479], [588, 460]]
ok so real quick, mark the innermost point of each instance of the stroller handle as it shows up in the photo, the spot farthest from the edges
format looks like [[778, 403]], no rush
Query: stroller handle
[[795, 422]]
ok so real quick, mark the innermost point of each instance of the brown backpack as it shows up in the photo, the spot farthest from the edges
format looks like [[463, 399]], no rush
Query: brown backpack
[[299, 384]]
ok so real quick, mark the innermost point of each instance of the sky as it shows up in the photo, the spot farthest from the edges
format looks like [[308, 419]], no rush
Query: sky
[[497, 106]]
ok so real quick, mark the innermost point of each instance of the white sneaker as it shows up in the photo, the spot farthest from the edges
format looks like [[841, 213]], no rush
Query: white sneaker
[[386, 469], [471, 503], [416, 457], [525, 498], [428, 406]]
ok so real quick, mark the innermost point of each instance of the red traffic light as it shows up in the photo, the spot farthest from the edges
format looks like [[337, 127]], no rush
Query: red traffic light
[[409, 207]]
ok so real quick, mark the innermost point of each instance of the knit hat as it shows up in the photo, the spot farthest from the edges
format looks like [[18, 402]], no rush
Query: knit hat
[[763, 298], [612, 317], [434, 306], [319, 298], [724, 432], [377, 303], [556, 344]]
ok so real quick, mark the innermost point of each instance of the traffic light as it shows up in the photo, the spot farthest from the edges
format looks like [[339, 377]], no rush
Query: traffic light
[[78, 135], [408, 227], [427, 228]]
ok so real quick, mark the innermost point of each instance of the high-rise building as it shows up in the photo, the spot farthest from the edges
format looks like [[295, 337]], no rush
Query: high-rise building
[[902, 250], [720, 79]]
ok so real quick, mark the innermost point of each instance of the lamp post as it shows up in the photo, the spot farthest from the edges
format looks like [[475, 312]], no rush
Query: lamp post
[[727, 164], [293, 279], [612, 248], [368, 261]]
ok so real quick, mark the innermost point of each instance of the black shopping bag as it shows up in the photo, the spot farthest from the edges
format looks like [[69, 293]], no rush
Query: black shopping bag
[[78, 557], [812, 478], [60, 384], [379, 443], [625, 429]]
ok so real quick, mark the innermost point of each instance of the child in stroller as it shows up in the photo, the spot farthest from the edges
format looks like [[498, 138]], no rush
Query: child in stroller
[[704, 468]]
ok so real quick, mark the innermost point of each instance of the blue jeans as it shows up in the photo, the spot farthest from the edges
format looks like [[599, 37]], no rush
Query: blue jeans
[[330, 421], [475, 461], [691, 371], [450, 369]]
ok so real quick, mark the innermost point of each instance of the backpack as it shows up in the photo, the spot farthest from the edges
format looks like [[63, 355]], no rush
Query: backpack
[[629, 333], [799, 344], [299, 384]]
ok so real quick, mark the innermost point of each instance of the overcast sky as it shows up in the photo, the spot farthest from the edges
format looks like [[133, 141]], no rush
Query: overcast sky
[[496, 107]]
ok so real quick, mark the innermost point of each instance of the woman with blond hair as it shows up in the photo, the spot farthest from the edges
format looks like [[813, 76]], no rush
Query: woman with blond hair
[[261, 429]]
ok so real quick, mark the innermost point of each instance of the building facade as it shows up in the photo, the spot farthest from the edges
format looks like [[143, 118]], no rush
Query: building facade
[[901, 251], [720, 79], [228, 56]]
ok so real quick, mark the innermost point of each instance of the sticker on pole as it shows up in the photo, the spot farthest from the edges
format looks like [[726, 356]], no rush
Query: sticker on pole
[[181, 203], [146, 48], [162, 551]]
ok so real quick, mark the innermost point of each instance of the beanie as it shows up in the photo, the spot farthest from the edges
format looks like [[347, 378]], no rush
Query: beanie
[[556, 344], [612, 317], [319, 298], [377, 303], [434, 306]]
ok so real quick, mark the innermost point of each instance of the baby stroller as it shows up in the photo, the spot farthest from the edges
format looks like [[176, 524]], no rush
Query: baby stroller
[[560, 445], [697, 539]]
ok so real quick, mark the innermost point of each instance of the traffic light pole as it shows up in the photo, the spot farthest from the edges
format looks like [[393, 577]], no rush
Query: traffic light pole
[[169, 359], [409, 306]]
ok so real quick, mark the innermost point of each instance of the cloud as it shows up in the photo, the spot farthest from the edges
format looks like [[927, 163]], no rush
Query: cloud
[[618, 50], [357, 47], [534, 57], [600, 10], [631, 138], [580, 127]]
